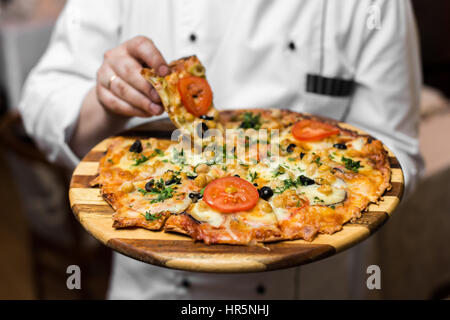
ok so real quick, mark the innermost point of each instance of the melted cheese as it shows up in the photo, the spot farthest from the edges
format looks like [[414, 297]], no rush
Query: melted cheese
[[203, 213], [314, 196], [257, 217]]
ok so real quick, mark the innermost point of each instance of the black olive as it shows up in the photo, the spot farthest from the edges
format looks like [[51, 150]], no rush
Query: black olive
[[149, 185], [255, 184], [369, 140], [236, 175], [302, 154], [191, 177], [136, 147], [290, 148], [195, 196], [341, 146], [171, 181], [201, 129], [265, 193], [305, 181], [205, 117]]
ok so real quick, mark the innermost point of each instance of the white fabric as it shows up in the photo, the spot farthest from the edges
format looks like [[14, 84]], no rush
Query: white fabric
[[244, 46]]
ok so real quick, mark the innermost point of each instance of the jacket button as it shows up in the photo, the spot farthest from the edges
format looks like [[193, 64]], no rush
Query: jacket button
[[260, 289], [186, 283], [291, 46], [193, 37]]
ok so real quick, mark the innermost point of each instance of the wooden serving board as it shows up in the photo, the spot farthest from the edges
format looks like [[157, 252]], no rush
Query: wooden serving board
[[180, 252]]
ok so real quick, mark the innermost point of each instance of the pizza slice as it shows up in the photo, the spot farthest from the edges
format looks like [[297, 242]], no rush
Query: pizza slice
[[186, 96]]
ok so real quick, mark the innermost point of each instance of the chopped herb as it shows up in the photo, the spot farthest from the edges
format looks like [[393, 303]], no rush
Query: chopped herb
[[253, 176], [143, 191], [164, 194], [351, 164], [152, 217], [294, 183], [280, 170], [251, 121], [159, 190], [333, 207], [291, 159], [317, 161], [141, 159], [202, 191], [318, 200], [158, 152], [110, 161]]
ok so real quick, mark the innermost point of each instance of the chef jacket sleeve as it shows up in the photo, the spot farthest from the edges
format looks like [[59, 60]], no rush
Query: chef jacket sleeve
[[388, 77], [56, 87]]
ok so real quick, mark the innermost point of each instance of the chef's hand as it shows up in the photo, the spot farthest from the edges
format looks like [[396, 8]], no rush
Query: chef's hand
[[120, 93], [120, 89]]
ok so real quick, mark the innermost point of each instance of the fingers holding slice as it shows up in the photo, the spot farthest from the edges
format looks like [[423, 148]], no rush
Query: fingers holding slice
[[144, 50], [130, 96]]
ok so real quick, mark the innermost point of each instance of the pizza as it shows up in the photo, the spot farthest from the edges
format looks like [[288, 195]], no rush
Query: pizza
[[266, 175], [186, 95]]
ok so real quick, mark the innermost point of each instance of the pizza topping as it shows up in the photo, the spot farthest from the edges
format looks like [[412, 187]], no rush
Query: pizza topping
[[311, 130], [158, 189], [149, 185], [141, 159], [294, 183], [340, 146], [196, 95], [251, 121], [231, 194], [136, 147], [197, 70], [205, 117], [315, 196], [265, 193], [195, 196], [291, 148], [200, 211], [152, 217], [351, 164]]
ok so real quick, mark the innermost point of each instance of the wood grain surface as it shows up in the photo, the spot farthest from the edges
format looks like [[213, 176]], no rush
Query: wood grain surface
[[180, 252]]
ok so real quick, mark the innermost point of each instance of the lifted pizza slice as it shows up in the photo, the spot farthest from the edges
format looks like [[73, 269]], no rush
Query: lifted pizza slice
[[186, 96]]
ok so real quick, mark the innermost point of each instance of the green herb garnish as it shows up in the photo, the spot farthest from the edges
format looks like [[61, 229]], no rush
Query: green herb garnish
[[251, 121], [157, 152], [351, 164], [152, 217], [280, 170], [141, 159], [160, 190]]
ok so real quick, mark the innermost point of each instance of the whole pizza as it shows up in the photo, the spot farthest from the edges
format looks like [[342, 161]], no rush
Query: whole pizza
[[240, 177]]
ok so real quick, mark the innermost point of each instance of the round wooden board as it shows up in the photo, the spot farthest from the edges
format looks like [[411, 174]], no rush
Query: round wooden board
[[180, 252]]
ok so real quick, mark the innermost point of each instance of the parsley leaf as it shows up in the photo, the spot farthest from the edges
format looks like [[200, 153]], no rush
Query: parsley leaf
[[141, 159], [152, 217], [251, 121], [159, 190], [351, 164], [157, 152]]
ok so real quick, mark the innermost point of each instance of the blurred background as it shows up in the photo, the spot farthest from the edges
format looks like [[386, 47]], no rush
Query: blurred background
[[39, 236]]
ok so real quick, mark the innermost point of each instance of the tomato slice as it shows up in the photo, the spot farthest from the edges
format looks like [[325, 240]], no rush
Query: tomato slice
[[196, 95], [311, 130], [231, 194]]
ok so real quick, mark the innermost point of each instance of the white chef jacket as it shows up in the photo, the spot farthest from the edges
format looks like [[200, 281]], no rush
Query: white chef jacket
[[257, 54]]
